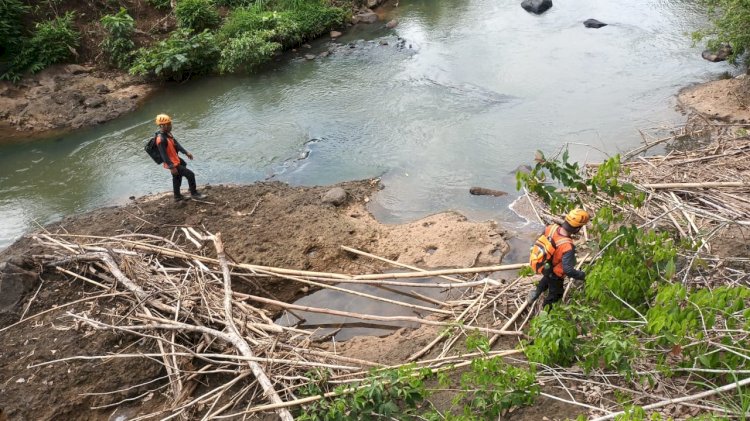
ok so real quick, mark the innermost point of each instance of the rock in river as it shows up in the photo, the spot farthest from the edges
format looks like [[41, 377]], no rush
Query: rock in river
[[593, 23], [536, 6], [715, 56], [336, 196]]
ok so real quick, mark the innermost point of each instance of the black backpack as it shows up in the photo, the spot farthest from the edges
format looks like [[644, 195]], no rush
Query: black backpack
[[153, 150]]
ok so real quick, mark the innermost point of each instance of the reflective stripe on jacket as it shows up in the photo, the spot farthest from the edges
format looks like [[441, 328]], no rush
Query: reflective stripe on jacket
[[562, 245]]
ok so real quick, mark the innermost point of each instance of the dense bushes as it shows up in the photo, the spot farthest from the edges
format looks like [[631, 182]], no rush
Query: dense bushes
[[729, 25], [179, 57], [52, 42], [249, 36], [196, 15], [247, 50], [11, 12], [119, 43]]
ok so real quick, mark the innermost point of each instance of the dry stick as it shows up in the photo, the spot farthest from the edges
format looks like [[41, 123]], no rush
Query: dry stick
[[512, 319], [697, 396], [646, 147], [242, 345], [371, 317], [403, 265], [361, 294], [83, 278], [533, 207], [115, 294], [405, 275]]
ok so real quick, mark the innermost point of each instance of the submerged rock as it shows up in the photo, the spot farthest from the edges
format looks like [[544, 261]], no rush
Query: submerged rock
[[536, 6], [367, 17], [716, 56], [593, 23]]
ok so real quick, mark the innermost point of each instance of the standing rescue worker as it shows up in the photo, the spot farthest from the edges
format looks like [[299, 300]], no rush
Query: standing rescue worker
[[168, 149], [564, 258]]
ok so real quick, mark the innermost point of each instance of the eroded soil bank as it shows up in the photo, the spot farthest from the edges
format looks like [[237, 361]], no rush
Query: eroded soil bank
[[270, 224]]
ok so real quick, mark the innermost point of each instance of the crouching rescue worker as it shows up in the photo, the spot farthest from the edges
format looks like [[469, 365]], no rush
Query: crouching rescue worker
[[168, 149], [560, 257]]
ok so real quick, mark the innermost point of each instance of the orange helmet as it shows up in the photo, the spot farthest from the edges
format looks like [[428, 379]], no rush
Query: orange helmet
[[577, 218], [163, 119]]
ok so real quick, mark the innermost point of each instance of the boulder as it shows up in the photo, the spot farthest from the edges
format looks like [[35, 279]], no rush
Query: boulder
[[367, 17], [94, 102], [536, 6], [391, 24], [372, 3], [335, 34], [593, 23], [76, 69], [336, 196], [102, 89], [715, 56], [310, 56], [15, 283]]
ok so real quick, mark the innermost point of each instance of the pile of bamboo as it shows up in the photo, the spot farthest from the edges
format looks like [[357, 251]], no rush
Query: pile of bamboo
[[202, 327]]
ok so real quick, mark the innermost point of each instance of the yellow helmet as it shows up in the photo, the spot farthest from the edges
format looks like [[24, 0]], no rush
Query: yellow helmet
[[577, 218], [163, 119]]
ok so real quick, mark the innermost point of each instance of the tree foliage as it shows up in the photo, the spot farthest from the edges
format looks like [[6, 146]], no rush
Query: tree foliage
[[730, 24], [119, 44]]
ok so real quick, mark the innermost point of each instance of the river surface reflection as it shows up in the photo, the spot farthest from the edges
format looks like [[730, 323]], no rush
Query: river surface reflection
[[473, 90]]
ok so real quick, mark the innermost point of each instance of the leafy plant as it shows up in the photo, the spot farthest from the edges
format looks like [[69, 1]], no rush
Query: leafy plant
[[196, 15], [52, 42], [610, 349], [393, 393], [681, 317], [179, 57], [728, 26], [555, 337], [247, 50], [119, 44], [160, 4], [11, 25], [633, 261]]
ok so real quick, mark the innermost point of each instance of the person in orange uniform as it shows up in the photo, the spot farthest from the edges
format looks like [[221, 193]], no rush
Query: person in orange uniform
[[564, 258], [169, 147]]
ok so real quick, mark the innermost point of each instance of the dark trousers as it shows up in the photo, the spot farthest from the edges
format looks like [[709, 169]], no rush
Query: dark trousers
[[183, 171], [555, 286]]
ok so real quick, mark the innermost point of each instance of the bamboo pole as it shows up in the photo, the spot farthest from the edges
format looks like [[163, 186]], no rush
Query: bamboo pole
[[404, 275], [373, 317], [688, 398], [237, 339], [403, 265]]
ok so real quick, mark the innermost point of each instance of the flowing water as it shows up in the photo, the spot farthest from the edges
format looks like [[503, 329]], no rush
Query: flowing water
[[474, 88]]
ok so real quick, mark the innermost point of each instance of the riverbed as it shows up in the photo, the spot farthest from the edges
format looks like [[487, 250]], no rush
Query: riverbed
[[459, 94]]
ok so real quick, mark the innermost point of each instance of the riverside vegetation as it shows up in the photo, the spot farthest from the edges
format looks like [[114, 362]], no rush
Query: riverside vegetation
[[222, 36], [635, 321]]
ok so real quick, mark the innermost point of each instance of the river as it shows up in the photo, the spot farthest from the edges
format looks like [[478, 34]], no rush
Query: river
[[473, 90]]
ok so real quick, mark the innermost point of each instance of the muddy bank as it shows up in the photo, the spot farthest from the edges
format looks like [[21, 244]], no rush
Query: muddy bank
[[726, 100], [270, 224], [67, 97]]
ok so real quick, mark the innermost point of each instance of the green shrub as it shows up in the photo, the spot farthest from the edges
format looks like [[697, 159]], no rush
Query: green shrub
[[11, 25], [119, 44], [632, 264], [196, 15], [289, 27], [52, 42], [247, 20], [679, 318], [729, 25], [392, 394], [610, 349], [555, 337], [179, 57], [160, 4], [247, 50]]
